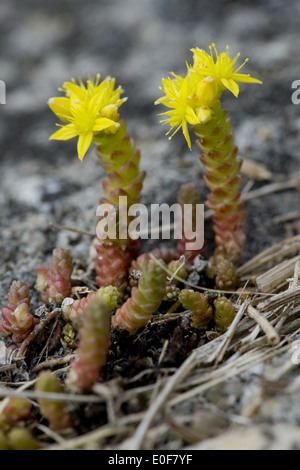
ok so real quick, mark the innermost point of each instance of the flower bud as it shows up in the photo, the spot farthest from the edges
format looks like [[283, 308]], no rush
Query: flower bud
[[203, 114], [207, 91], [110, 112]]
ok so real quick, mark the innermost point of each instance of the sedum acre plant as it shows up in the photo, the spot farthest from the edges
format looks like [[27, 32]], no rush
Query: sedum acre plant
[[195, 100], [14, 410], [54, 283], [17, 320], [129, 287], [94, 341], [224, 313], [55, 411], [199, 306], [188, 194], [91, 113], [145, 298], [74, 309]]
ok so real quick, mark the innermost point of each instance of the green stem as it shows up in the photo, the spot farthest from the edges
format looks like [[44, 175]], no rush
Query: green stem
[[120, 159], [216, 140]]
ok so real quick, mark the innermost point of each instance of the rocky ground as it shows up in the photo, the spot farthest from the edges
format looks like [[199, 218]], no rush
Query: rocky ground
[[139, 42]]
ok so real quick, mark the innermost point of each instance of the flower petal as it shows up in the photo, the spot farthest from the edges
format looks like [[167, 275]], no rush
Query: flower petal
[[186, 134], [64, 133], [191, 116], [241, 77], [61, 107], [74, 90], [103, 123], [231, 85], [84, 141]]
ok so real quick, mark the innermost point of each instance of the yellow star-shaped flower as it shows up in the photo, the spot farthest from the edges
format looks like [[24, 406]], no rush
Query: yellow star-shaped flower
[[178, 98], [88, 110], [192, 99], [221, 68]]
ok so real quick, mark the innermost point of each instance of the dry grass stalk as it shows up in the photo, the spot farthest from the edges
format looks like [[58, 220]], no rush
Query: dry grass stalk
[[277, 277], [280, 300], [287, 217], [220, 352], [271, 256], [137, 440], [240, 365], [270, 332]]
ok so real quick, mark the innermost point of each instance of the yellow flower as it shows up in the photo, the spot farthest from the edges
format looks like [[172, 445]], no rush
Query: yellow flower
[[192, 99], [177, 96], [88, 110], [221, 68]]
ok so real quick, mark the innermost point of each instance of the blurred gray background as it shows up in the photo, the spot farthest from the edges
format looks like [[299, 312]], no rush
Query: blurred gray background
[[138, 42]]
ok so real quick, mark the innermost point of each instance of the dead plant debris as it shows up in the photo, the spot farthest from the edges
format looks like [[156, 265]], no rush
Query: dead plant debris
[[151, 379]]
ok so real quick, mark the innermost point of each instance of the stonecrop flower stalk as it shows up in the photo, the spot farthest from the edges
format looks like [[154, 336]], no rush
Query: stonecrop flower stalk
[[54, 283], [14, 410], [120, 159], [55, 411], [73, 311], [224, 313], [194, 100], [198, 304], [16, 317], [188, 194], [94, 342], [145, 298], [91, 113]]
